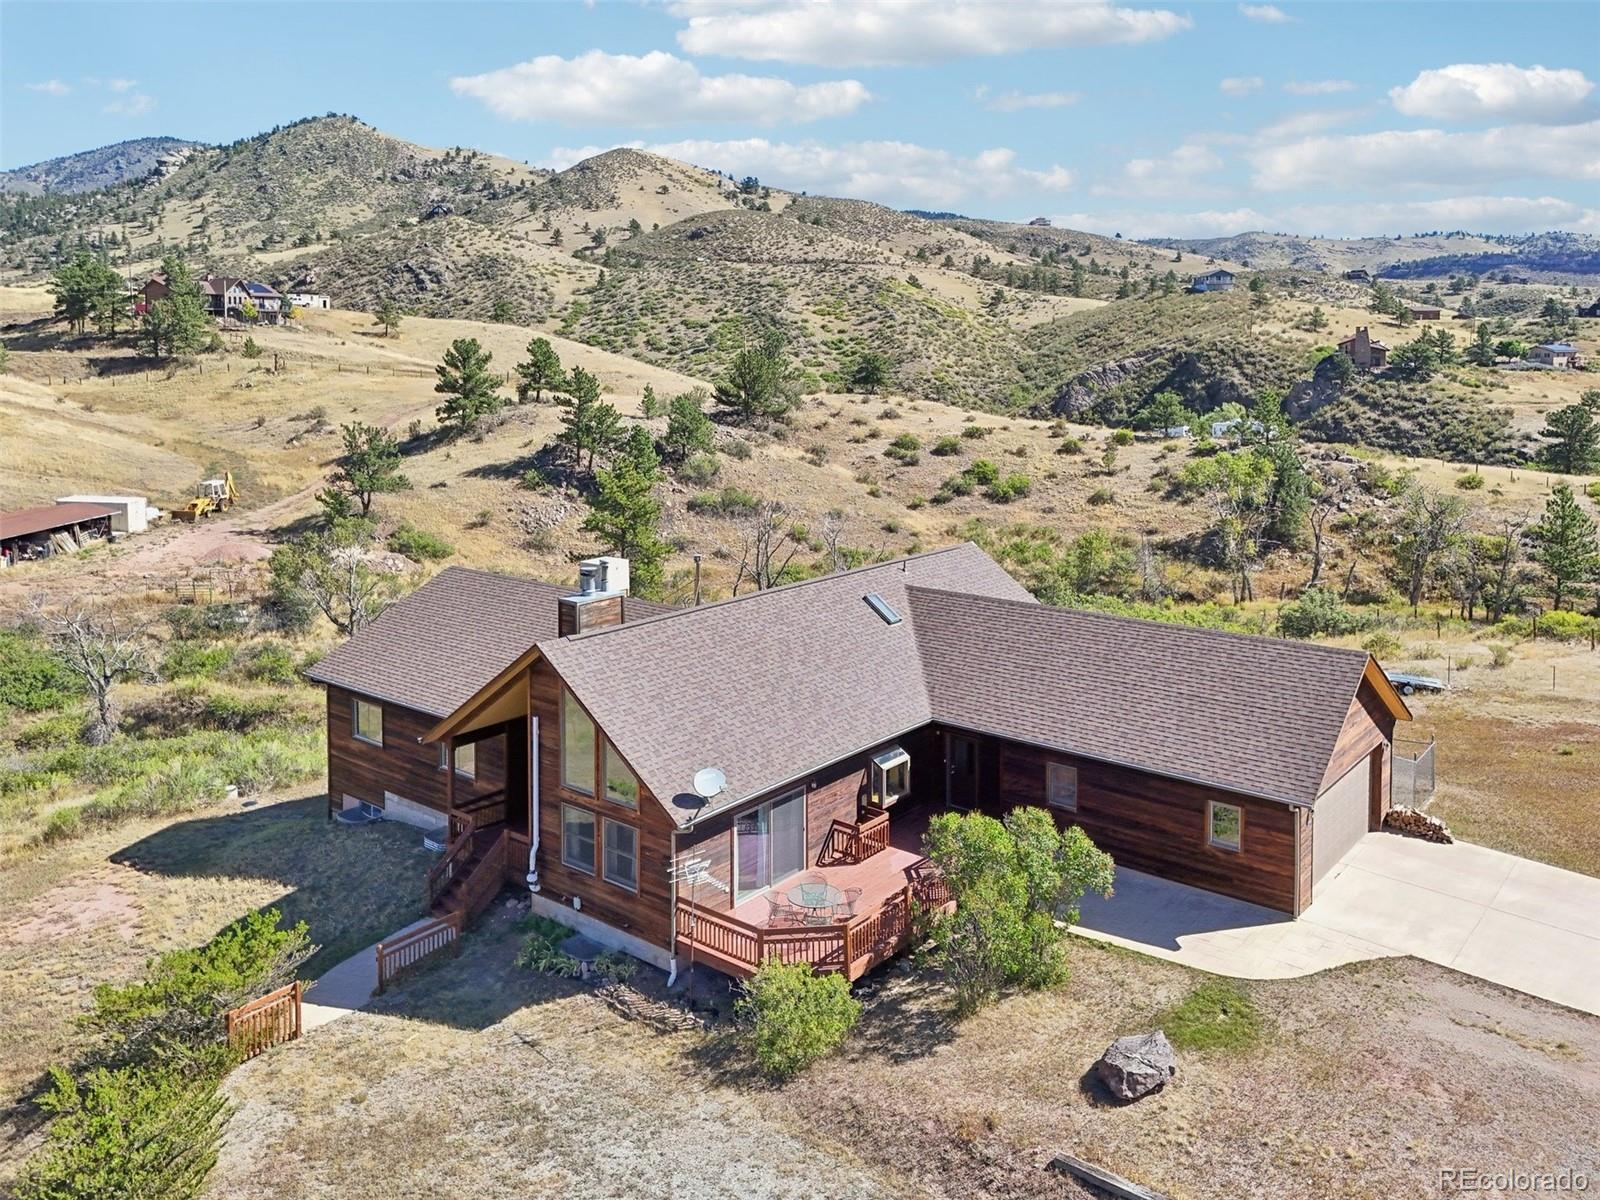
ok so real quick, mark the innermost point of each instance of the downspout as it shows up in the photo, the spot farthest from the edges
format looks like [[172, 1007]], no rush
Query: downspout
[[533, 800], [672, 907]]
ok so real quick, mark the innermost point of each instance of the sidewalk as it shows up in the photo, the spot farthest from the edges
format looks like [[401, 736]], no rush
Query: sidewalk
[[347, 986]]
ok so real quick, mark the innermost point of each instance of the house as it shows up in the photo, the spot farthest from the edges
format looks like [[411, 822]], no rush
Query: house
[[28, 533], [1365, 351], [660, 779], [223, 296], [1359, 275], [1425, 312], [1591, 309], [1554, 354], [1237, 428], [309, 300], [1212, 281]]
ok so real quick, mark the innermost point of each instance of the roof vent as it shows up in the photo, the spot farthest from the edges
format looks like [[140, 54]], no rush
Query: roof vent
[[881, 606]]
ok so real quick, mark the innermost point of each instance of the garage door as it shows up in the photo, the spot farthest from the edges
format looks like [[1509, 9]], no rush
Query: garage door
[[1339, 819]]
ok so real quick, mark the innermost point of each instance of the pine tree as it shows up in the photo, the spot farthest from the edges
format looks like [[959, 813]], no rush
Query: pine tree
[[388, 315], [1481, 352], [1568, 548], [689, 431], [626, 516], [540, 370], [469, 389], [370, 464], [590, 426], [1575, 434], [177, 324]]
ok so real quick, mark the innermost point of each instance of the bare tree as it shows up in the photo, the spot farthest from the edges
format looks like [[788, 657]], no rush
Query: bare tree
[[1326, 503], [100, 648], [831, 530], [1510, 576], [770, 546], [335, 577], [1430, 524]]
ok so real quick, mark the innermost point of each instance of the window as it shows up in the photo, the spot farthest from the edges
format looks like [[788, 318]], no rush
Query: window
[[577, 838], [367, 722], [1226, 822], [622, 785], [1061, 786], [891, 776], [577, 745], [622, 855], [466, 759]]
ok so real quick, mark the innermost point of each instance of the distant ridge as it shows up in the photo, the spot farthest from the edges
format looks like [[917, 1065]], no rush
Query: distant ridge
[[87, 170]]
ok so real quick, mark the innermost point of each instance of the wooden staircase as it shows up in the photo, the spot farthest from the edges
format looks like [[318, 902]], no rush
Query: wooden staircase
[[470, 874]]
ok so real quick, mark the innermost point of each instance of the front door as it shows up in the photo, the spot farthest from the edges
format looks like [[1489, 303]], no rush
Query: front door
[[962, 758]]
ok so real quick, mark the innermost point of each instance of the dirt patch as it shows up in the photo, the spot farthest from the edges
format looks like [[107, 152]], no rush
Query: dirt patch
[[69, 910]]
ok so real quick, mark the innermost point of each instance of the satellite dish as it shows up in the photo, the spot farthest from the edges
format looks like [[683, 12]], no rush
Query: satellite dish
[[709, 783]]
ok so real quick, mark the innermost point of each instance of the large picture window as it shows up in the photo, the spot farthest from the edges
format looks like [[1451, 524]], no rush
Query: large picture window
[[367, 722], [577, 745], [622, 855], [769, 843], [577, 838], [1225, 822], [622, 785]]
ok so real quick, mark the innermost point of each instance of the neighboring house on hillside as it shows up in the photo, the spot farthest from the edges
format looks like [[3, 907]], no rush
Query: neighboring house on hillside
[[839, 714], [309, 300], [1359, 275], [1212, 281], [1365, 351], [1591, 309], [1425, 312], [1554, 354]]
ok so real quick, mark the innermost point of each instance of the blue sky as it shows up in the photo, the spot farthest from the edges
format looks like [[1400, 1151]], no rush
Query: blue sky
[[1197, 119]]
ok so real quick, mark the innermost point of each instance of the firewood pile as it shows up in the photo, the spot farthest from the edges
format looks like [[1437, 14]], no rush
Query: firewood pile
[[1411, 823]]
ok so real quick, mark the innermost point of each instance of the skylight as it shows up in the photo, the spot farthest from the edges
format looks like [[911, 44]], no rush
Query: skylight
[[881, 606]]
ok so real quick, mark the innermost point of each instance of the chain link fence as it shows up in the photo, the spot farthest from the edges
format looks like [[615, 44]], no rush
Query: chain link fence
[[1412, 775]]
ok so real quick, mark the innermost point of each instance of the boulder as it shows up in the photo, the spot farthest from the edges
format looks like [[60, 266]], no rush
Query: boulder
[[1137, 1065]]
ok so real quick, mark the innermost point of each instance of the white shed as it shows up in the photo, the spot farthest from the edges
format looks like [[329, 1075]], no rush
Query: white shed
[[133, 512]]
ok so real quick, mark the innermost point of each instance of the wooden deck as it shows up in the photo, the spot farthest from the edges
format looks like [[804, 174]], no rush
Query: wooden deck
[[896, 882]]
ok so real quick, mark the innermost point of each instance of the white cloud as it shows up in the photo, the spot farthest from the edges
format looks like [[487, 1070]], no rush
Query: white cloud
[[897, 173], [1241, 85], [1269, 13], [1479, 214], [1467, 90], [1318, 87], [133, 104], [1431, 156], [122, 85], [862, 33], [1017, 101], [649, 90], [1184, 172], [50, 87], [1303, 124]]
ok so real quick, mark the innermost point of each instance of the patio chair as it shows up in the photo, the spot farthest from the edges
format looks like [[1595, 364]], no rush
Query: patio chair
[[781, 913], [847, 910]]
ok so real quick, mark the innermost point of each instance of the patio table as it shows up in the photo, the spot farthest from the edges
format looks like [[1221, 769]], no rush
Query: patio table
[[816, 900]]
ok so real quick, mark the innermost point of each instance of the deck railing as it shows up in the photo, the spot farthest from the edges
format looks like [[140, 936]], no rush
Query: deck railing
[[443, 873], [402, 953], [487, 877], [265, 1021], [854, 946], [478, 813], [859, 841]]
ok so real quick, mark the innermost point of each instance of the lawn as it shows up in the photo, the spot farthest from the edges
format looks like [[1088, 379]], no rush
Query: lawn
[[476, 1078], [93, 909]]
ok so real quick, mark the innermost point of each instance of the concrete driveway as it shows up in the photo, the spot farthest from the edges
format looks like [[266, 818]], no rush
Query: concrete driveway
[[1506, 919]]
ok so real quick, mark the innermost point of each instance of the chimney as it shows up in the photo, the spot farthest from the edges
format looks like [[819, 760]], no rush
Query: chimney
[[602, 589]]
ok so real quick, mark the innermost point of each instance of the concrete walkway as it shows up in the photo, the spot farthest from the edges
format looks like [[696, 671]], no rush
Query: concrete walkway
[[347, 986], [1495, 916]]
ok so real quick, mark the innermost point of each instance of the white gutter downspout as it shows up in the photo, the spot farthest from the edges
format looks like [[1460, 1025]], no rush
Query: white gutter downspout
[[672, 908], [533, 802]]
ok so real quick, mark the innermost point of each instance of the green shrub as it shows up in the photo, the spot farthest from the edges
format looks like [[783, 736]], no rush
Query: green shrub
[[1317, 612], [1593, 491], [974, 432], [904, 450], [1381, 644], [1122, 437], [1469, 483], [729, 502], [1217, 1015], [541, 950], [1499, 656], [194, 660], [612, 966], [32, 677], [1012, 487], [1102, 495], [240, 714], [533, 479], [63, 824], [737, 448], [152, 1134], [982, 472], [51, 733], [419, 545], [269, 662], [203, 621], [262, 765], [796, 1016], [946, 446], [700, 469], [1070, 445]]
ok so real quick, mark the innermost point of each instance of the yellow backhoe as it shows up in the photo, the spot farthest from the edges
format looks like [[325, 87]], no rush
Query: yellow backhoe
[[212, 495]]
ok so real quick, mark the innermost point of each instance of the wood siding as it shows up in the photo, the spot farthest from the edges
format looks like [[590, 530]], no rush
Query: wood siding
[[1158, 825], [403, 764], [646, 913]]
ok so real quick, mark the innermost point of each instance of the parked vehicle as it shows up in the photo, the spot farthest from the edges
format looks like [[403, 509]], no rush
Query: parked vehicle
[[1407, 685]]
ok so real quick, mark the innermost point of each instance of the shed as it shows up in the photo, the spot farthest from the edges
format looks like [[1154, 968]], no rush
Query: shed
[[133, 512], [38, 532]]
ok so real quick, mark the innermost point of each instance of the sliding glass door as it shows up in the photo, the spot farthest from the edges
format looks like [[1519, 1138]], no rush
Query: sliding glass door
[[769, 844]]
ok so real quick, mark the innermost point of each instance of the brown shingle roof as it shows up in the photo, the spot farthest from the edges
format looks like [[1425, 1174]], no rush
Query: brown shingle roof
[[768, 686], [434, 649], [1248, 714], [23, 521]]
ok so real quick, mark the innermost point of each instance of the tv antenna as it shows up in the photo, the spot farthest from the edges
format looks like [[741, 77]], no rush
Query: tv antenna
[[709, 783]]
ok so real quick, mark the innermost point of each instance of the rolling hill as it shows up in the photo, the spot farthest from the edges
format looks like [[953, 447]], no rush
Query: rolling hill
[[1544, 257], [89, 170]]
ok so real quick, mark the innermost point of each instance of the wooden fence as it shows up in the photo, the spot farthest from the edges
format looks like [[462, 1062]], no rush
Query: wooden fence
[[266, 1021], [402, 953]]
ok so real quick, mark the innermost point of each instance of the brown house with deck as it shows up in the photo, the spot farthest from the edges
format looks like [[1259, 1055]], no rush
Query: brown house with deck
[[839, 715]]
